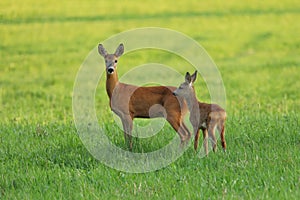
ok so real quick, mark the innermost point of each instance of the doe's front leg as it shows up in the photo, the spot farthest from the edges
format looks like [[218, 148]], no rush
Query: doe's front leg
[[127, 128]]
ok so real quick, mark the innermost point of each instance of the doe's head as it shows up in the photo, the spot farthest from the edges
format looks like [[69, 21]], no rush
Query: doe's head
[[185, 88], [111, 60]]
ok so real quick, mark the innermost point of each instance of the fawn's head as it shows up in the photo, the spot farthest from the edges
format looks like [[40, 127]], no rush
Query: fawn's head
[[186, 88], [111, 60]]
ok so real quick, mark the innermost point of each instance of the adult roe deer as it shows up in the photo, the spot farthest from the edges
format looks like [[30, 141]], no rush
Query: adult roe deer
[[203, 116], [130, 101]]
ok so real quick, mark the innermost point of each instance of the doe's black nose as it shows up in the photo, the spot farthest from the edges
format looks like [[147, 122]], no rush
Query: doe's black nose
[[110, 70]]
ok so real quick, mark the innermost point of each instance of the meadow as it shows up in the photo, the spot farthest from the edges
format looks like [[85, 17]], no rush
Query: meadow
[[256, 47]]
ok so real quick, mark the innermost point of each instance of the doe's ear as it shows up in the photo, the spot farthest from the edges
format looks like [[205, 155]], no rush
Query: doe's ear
[[194, 76], [101, 50], [119, 50], [188, 77]]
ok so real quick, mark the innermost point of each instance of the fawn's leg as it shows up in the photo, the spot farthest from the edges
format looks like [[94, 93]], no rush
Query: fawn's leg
[[221, 129], [196, 133], [211, 133], [211, 126], [205, 140]]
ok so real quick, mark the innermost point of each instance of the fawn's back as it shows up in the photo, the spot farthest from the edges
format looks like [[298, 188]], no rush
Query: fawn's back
[[210, 112]]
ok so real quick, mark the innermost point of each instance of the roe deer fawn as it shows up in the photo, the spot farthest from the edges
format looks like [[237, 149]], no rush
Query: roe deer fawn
[[203, 116], [130, 101]]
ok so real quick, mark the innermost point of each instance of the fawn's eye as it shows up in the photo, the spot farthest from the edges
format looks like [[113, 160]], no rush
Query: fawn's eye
[[116, 61]]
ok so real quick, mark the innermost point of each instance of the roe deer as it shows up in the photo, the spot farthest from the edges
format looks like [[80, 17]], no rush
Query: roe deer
[[130, 101], [203, 116]]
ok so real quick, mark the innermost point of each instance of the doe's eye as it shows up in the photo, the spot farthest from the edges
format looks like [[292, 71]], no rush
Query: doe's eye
[[116, 61]]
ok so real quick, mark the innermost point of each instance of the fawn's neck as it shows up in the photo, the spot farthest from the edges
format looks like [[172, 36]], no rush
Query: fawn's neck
[[192, 101], [111, 82], [194, 109]]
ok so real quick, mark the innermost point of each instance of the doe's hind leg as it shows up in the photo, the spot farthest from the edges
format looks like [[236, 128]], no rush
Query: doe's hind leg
[[175, 123]]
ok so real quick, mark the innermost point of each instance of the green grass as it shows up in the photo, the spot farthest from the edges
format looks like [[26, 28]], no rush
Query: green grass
[[255, 46]]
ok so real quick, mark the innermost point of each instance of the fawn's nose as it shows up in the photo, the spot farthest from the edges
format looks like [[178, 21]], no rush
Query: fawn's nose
[[174, 93], [110, 70]]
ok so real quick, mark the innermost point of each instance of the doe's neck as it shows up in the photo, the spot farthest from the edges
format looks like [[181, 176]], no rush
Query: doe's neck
[[111, 82]]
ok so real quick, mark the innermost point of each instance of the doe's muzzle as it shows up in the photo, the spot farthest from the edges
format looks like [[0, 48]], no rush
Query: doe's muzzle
[[110, 70]]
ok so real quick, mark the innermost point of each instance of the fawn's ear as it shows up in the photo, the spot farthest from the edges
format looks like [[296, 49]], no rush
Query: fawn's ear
[[194, 76], [188, 78], [119, 50], [101, 50]]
